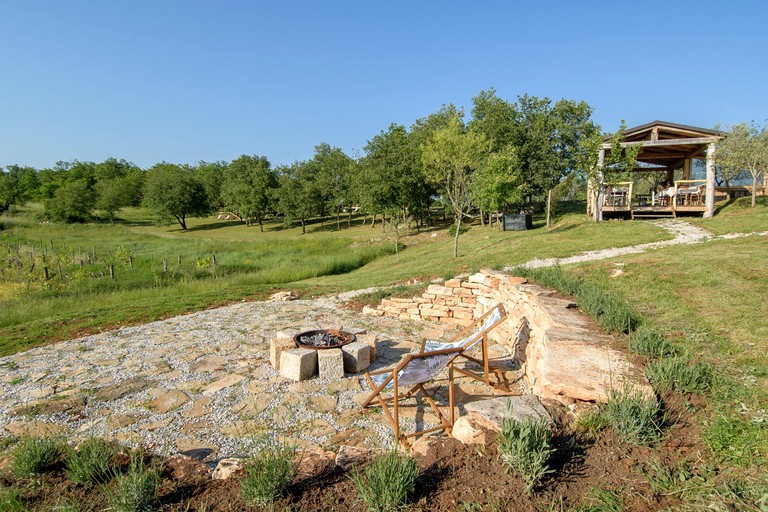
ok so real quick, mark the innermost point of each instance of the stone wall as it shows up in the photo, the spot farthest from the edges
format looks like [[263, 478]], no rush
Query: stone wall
[[564, 356]]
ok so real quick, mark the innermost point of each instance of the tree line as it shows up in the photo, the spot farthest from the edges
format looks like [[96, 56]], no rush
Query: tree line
[[505, 154]]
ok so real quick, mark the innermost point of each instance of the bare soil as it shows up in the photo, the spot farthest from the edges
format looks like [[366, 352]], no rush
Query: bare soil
[[453, 477]]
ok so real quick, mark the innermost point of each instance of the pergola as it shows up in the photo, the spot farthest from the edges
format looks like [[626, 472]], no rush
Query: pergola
[[664, 147]]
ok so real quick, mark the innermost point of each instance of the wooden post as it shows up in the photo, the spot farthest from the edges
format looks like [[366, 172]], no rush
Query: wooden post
[[89, 257], [112, 271], [45, 274], [709, 197], [213, 259], [130, 262], [165, 266], [58, 264], [179, 259], [549, 206], [598, 208]]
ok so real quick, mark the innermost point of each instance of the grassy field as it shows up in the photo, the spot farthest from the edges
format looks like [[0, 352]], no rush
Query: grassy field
[[707, 299]]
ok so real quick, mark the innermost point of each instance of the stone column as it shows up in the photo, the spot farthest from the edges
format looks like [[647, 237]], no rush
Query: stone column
[[709, 197]]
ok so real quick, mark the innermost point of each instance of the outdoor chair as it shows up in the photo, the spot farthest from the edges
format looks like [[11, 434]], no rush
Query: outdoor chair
[[413, 372], [467, 339]]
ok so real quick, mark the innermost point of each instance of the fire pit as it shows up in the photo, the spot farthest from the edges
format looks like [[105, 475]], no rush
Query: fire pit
[[323, 338]]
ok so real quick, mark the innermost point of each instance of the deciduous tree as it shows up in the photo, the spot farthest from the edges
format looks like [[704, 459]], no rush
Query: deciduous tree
[[173, 191], [745, 148], [249, 187]]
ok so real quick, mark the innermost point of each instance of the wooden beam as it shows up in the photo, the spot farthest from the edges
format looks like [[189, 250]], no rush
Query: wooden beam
[[667, 142]]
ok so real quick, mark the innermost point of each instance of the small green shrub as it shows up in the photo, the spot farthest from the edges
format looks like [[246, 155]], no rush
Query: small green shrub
[[680, 373], [92, 463], [268, 474], [33, 455], [452, 229], [637, 419], [647, 341], [524, 446], [135, 490], [665, 479], [387, 482]]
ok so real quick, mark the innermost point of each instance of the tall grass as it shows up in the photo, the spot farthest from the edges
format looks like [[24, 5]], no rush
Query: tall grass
[[636, 418], [268, 474], [34, 455], [525, 447], [387, 482]]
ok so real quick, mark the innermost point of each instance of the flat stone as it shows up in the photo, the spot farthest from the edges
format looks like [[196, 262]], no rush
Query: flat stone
[[330, 364], [196, 449], [224, 382], [199, 408], [357, 357], [50, 407], [348, 384], [491, 413], [348, 416], [34, 428], [208, 364], [169, 401], [322, 403], [349, 457], [314, 462], [121, 389], [122, 420], [254, 405], [354, 437], [320, 428], [469, 431], [154, 425]]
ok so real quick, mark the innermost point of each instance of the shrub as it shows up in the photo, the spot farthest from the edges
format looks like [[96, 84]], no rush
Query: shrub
[[33, 456], [91, 463], [589, 423], [635, 418], [11, 500], [268, 474], [681, 373], [524, 446], [387, 482], [649, 342], [136, 490]]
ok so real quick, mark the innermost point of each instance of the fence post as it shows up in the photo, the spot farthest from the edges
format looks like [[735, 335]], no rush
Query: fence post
[[179, 259], [45, 274], [130, 262], [165, 266], [112, 271], [58, 264]]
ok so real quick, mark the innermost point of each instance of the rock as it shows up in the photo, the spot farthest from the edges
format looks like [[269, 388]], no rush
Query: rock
[[199, 408], [298, 364], [491, 413], [277, 345], [196, 449], [330, 364], [314, 462], [184, 468], [354, 437], [357, 357], [467, 430], [209, 364], [154, 425], [121, 389], [53, 406], [122, 420], [254, 405], [349, 457], [322, 403], [224, 382], [370, 339], [168, 401], [425, 445], [283, 297], [34, 428], [227, 468]]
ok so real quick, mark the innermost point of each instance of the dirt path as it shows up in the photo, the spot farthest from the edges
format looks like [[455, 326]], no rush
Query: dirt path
[[684, 233]]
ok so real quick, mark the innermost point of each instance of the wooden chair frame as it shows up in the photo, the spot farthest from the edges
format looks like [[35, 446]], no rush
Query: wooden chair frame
[[471, 341], [394, 376]]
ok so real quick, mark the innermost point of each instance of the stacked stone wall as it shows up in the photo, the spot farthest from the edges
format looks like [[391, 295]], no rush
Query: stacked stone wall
[[562, 354]]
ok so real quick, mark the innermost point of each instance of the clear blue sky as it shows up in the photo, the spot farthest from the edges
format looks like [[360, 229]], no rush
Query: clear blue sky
[[183, 81]]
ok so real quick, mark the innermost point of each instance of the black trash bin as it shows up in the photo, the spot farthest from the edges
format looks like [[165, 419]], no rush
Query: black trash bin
[[517, 222]]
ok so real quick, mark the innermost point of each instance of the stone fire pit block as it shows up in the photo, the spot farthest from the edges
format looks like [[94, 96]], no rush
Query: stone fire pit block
[[298, 364], [370, 339], [357, 357], [281, 341], [330, 364]]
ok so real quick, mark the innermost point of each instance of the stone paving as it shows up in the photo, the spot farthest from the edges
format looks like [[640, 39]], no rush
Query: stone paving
[[202, 384]]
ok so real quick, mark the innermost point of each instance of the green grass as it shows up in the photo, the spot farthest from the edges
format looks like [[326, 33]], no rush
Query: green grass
[[33, 455], [649, 342], [91, 463], [680, 373], [387, 482], [136, 490]]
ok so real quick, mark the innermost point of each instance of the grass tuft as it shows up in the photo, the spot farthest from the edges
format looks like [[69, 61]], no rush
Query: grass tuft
[[387, 482], [525, 447], [681, 374], [647, 341], [589, 423], [33, 456], [268, 474], [637, 419], [11, 500], [602, 500], [91, 463]]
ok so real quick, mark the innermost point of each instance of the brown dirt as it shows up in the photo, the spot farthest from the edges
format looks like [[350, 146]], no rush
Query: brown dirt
[[453, 477]]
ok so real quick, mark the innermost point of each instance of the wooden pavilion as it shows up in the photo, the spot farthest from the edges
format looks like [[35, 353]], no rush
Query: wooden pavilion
[[664, 147]]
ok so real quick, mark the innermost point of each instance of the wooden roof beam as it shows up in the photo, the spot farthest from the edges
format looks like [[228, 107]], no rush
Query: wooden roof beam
[[667, 142]]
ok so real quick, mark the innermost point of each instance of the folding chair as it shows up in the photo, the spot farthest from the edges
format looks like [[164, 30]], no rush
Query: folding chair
[[413, 372], [468, 338]]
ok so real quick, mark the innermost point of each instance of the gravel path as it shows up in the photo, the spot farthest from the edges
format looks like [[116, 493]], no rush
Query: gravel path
[[684, 233]]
